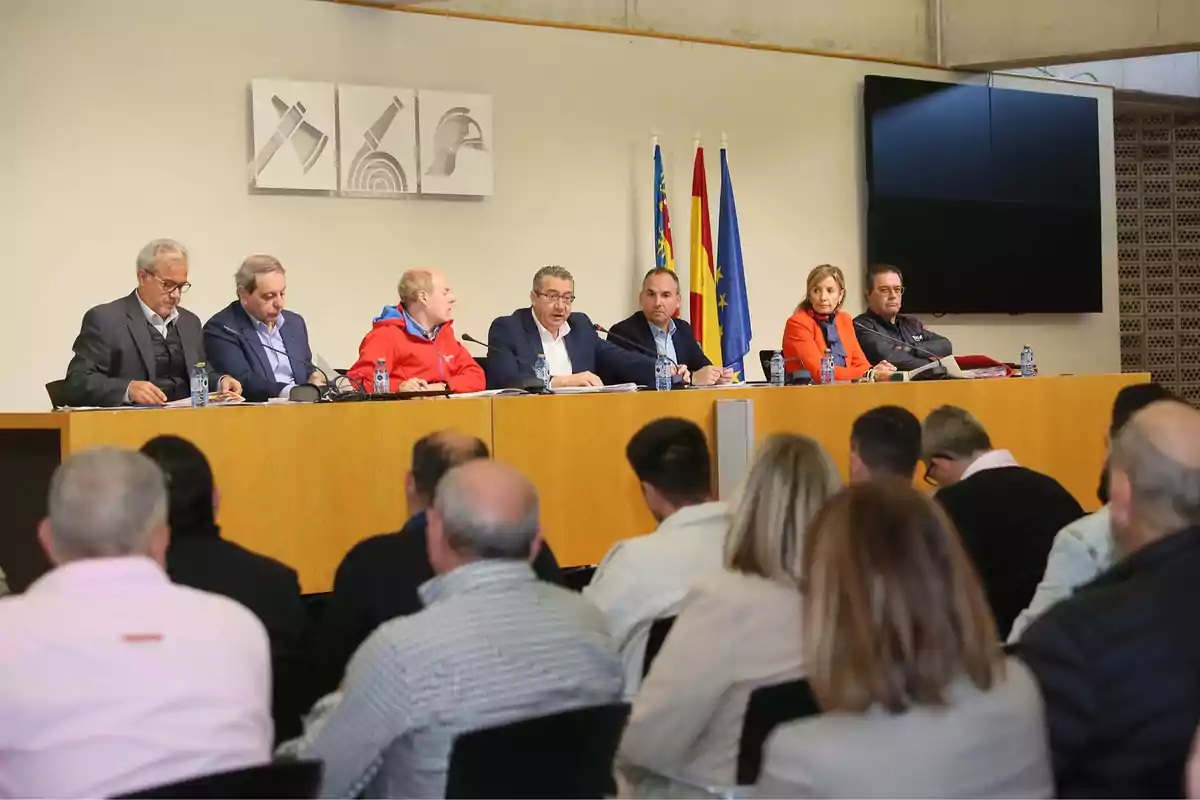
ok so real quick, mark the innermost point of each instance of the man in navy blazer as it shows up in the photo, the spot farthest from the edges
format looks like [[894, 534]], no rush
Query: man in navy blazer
[[575, 354], [655, 329], [244, 338]]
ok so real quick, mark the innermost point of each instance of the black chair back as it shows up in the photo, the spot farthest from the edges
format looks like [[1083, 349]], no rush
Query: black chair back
[[569, 754], [768, 708], [654, 642], [575, 578], [481, 361], [55, 390], [764, 360], [278, 779]]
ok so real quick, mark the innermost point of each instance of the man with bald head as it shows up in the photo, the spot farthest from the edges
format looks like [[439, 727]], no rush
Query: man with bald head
[[492, 646], [1119, 662], [379, 578], [415, 340]]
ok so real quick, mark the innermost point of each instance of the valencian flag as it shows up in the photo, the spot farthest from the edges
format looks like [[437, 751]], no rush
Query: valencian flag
[[664, 245], [701, 280], [733, 308]]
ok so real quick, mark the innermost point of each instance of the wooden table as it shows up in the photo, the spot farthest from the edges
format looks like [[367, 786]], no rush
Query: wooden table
[[304, 483]]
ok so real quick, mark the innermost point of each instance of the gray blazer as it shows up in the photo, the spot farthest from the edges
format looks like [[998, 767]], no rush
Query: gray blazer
[[113, 348], [984, 744]]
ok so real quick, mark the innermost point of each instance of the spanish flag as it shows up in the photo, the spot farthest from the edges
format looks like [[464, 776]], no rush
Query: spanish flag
[[702, 282]]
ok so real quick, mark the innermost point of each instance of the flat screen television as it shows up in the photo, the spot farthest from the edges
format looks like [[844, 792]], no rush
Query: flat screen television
[[988, 200]]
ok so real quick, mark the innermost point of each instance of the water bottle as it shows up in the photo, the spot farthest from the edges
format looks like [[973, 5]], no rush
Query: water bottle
[[776, 376], [382, 382], [662, 373], [199, 383], [1028, 365], [542, 370], [827, 367]]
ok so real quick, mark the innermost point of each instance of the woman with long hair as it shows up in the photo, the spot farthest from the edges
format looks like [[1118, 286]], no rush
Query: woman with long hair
[[917, 698], [820, 324]]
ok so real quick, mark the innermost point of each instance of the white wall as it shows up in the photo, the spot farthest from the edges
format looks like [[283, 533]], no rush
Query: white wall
[[124, 120]]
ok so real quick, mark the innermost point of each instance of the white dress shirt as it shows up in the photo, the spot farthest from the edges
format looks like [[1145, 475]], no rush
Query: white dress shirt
[[554, 348], [113, 679], [645, 578], [992, 459]]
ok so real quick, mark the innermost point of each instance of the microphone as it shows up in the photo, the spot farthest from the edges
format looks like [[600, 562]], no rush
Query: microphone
[[303, 395], [531, 385], [888, 337], [637, 346], [927, 372]]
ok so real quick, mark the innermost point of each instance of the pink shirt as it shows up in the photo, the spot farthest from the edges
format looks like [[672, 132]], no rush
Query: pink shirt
[[113, 679]]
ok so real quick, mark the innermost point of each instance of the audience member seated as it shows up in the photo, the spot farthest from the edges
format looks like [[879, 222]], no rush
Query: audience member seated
[[269, 353], [657, 330], [574, 353], [415, 340], [200, 558], [1085, 548], [379, 578], [819, 324], [645, 578], [1007, 515], [493, 645], [113, 679], [739, 628], [140, 349], [917, 700], [887, 335], [1117, 662], [885, 442]]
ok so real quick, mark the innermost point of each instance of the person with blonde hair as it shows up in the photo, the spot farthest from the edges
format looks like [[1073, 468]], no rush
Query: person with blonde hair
[[738, 629], [916, 696], [820, 324]]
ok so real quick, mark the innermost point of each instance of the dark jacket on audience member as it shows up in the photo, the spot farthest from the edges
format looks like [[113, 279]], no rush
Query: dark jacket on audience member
[[1119, 669], [1008, 518], [377, 581], [515, 343], [636, 328], [910, 330], [244, 356], [198, 557]]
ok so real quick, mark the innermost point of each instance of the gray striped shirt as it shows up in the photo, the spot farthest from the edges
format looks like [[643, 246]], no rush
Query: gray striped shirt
[[493, 645]]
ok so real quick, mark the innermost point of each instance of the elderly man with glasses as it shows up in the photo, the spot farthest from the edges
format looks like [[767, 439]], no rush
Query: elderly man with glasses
[[882, 328], [139, 350], [575, 355]]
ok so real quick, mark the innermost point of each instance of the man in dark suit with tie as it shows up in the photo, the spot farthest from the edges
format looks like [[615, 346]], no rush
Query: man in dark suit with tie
[[656, 330], [141, 348], [575, 354], [254, 340]]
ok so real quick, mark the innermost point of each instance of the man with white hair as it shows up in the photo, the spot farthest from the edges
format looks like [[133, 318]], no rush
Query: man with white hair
[[113, 679], [255, 341], [493, 645], [141, 348], [415, 341], [1118, 662]]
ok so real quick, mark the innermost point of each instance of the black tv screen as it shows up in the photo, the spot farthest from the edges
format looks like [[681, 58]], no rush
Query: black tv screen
[[988, 200]]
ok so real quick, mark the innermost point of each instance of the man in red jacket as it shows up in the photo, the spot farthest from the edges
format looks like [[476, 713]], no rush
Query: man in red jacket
[[416, 340]]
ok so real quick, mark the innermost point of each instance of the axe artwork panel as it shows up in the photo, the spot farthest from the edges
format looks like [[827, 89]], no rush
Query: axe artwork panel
[[295, 135]]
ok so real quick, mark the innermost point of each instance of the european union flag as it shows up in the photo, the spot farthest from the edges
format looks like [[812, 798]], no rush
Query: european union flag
[[733, 307]]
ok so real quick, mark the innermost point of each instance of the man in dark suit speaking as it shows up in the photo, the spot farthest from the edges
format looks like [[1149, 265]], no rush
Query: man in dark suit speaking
[[269, 354], [657, 331], [575, 354], [140, 349]]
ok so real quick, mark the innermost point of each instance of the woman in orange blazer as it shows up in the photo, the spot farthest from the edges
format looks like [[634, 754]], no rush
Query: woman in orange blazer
[[819, 324]]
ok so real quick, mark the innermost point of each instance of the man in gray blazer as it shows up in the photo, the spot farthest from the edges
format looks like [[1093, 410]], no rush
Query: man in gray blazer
[[140, 349]]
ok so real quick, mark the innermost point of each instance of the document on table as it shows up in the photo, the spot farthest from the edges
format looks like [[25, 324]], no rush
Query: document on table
[[492, 393], [616, 388]]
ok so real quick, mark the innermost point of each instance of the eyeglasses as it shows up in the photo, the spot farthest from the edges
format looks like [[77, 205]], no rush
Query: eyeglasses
[[929, 465], [169, 287], [891, 291], [554, 298]]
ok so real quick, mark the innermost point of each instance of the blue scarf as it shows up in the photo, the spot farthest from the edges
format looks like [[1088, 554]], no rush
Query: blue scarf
[[833, 341]]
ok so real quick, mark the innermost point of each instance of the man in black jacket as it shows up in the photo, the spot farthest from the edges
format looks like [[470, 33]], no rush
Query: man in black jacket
[[885, 287], [655, 329], [1007, 515], [1119, 662], [198, 557], [378, 579]]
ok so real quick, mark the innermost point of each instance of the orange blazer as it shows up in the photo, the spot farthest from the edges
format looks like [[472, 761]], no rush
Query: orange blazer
[[803, 340]]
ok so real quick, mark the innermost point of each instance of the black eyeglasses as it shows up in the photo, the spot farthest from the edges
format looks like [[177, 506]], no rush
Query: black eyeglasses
[[555, 297], [929, 465], [169, 287]]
